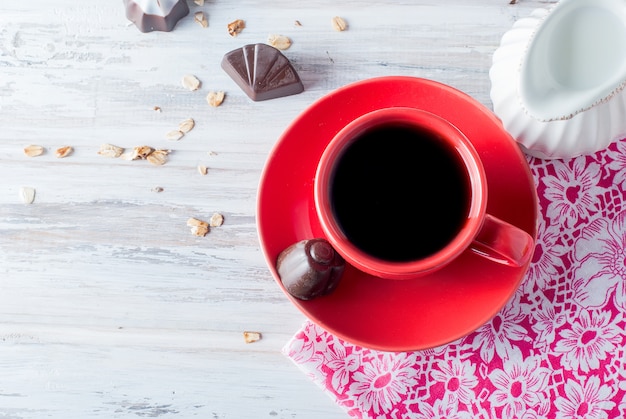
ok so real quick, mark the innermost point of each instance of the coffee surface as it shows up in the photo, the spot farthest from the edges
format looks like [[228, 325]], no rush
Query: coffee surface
[[399, 193]]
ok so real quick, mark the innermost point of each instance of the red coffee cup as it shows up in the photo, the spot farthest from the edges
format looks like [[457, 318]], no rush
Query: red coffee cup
[[401, 192]]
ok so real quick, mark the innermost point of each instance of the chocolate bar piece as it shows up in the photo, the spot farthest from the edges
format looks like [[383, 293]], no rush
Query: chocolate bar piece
[[262, 72], [156, 15]]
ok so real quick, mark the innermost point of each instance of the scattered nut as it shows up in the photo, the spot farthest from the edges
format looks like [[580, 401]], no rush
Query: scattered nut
[[157, 189], [235, 27], [199, 2], [198, 227], [174, 135], [27, 194], [158, 157], [141, 152], [200, 231], [251, 337], [297, 23], [203, 170], [200, 18], [34, 150], [339, 24], [194, 222], [215, 99], [156, 109], [63, 151], [211, 153], [110, 150], [191, 82], [279, 41], [216, 220], [128, 155], [186, 126]]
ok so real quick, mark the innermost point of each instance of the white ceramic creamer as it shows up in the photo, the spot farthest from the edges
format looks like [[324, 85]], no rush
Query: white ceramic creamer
[[575, 60], [558, 78]]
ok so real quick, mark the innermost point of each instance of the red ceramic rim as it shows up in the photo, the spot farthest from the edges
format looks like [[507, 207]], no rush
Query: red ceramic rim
[[411, 117]]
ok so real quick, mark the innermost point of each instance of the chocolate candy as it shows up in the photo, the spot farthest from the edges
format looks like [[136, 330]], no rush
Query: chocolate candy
[[262, 72], [156, 15], [310, 268]]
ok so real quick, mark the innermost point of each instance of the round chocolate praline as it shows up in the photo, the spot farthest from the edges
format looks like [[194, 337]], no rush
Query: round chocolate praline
[[156, 15], [310, 268]]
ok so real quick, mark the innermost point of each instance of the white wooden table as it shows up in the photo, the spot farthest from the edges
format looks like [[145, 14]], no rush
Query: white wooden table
[[109, 306]]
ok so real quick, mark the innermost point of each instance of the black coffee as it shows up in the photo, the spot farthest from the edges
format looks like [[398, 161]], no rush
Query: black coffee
[[399, 193]]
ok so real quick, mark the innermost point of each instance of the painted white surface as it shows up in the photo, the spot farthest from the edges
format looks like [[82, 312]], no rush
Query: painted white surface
[[109, 307]]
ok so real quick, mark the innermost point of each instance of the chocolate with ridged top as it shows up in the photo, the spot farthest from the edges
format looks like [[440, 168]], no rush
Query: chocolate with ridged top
[[156, 15], [262, 72]]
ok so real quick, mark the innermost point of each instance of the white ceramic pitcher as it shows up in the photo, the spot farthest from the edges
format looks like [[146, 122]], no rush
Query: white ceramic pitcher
[[558, 78], [575, 60]]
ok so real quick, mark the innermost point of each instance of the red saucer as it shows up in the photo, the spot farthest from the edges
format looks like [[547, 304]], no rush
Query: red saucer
[[383, 314]]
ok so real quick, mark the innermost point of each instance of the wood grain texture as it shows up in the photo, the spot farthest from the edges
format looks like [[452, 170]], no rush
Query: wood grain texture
[[109, 307]]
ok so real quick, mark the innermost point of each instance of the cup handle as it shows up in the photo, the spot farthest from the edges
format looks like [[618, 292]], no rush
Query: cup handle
[[503, 243]]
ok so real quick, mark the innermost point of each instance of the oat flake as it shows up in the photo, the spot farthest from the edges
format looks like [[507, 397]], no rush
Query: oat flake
[[191, 82], [34, 150], [27, 194]]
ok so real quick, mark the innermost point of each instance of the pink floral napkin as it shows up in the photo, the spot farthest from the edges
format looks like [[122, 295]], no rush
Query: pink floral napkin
[[557, 350]]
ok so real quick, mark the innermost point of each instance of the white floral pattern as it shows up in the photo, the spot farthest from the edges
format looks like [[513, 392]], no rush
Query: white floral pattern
[[555, 351], [546, 259], [570, 192], [499, 334], [601, 251], [520, 384], [458, 379], [618, 165], [383, 382], [441, 410], [342, 365], [589, 340], [589, 401]]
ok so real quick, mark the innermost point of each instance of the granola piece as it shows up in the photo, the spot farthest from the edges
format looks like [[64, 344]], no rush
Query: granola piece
[[235, 27], [339, 24], [216, 220], [141, 152], [186, 126], [174, 135], [215, 99], [63, 151], [200, 18], [251, 337], [198, 227], [110, 150], [34, 150], [191, 82], [279, 41], [158, 157]]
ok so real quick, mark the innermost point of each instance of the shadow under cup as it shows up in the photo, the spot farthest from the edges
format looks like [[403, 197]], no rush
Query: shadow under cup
[[400, 192]]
